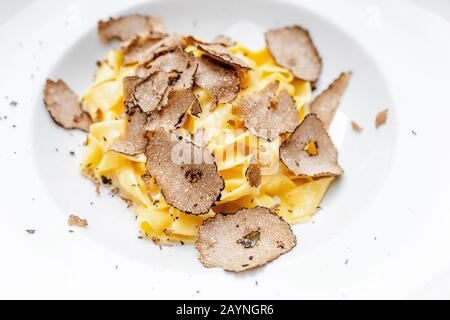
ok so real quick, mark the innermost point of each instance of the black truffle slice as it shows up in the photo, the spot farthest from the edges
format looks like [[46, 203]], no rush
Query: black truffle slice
[[248, 239], [221, 81], [266, 113], [176, 61], [64, 106], [326, 104], [139, 47], [135, 140], [253, 175], [172, 115], [163, 46], [147, 93], [219, 52], [293, 48], [309, 151], [196, 108], [128, 27], [186, 173]]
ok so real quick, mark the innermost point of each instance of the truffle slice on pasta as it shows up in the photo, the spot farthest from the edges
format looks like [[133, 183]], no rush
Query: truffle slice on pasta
[[253, 175], [219, 52], [293, 48], [248, 239], [196, 108], [135, 141], [172, 115], [147, 93], [221, 81], [325, 105], [64, 107], [127, 27], [186, 173], [267, 113], [139, 47], [177, 61], [164, 46], [309, 151]]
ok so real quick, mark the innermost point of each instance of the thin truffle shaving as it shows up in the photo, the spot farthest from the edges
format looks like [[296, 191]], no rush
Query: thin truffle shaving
[[64, 106], [135, 141], [381, 118], [76, 221], [326, 104], [219, 52], [266, 113], [248, 239], [139, 48], [148, 93], [128, 27], [293, 48], [172, 115], [297, 155], [186, 173], [222, 82], [177, 61], [253, 174], [163, 46]]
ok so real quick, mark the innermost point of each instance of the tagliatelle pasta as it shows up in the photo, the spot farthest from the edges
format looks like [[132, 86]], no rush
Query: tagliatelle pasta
[[293, 198]]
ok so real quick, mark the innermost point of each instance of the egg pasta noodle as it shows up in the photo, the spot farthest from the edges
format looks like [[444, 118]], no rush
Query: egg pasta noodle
[[295, 198]]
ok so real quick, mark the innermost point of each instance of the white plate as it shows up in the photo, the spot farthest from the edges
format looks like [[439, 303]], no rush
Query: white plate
[[387, 217]]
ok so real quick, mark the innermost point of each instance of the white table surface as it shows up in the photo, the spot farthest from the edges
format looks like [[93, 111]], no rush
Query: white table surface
[[439, 288]]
